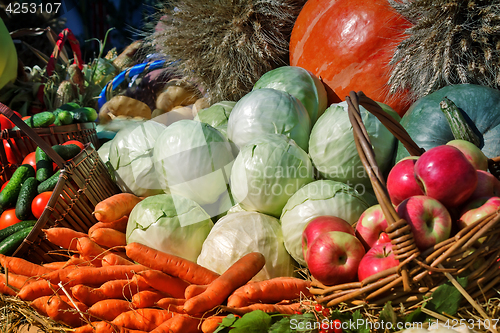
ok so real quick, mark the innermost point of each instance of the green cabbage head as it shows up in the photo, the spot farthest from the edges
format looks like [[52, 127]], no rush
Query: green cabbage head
[[194, 160], [131, 155], [267, 172], [321, 197], [240, 233], [268, 111], [216, 115], [334, 152], [169, 223]]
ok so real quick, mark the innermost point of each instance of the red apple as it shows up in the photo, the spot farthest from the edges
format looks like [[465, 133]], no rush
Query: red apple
[[371, 224], [445, 174], [333, 258], [322, 224], [487, 186], [429, 220], [401, 182], [383, 238], [472, 153], [377, 259], [478, 209]]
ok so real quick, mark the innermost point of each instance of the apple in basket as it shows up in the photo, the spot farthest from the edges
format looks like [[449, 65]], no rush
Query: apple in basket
[[379, 258], [371, 226], [445, 174], [478, 209], [333, 258], [429, 220], [487, 186], [472, 153], [321, 224], [401, 182]]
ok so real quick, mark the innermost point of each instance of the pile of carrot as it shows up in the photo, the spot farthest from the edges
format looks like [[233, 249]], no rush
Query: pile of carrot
[[107, 285]]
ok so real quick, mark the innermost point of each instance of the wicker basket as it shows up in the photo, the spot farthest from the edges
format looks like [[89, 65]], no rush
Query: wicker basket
[[84, 181], [418, 274]]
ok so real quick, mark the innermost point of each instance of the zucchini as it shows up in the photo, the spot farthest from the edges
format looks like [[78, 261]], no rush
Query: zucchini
[[6, 232], [67, 152], [12, 242], [44, 167], [49, 184], [27, 193], [42, 119], [8, 196]]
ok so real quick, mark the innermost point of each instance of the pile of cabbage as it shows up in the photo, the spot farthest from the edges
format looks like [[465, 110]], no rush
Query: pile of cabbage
[[247, 176]]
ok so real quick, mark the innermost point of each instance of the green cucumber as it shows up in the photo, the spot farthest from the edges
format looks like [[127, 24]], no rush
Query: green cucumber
[[12, 242], [6, 232], [8, 196], [67, 152], [84, 114], [26, 195], [44, 167], [69, 106], [42, 119], [49, 184], [65, 117]]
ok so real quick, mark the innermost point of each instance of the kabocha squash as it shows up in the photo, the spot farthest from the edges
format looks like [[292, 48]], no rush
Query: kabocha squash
[[428, 126]]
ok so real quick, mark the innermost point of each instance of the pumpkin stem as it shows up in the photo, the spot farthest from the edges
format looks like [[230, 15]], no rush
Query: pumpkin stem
[[460, 128]]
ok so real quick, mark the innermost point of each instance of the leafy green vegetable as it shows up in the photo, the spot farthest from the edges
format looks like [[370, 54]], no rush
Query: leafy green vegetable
[[267, 172], [169, 223], [268, 111], [237, 234]]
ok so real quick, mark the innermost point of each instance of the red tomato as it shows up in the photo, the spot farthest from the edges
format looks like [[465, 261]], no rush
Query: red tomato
[[30, 159], [74, 142], [8, 218], [39, 203], [3, 186], [5, 123], [349, 45], [11, 156]]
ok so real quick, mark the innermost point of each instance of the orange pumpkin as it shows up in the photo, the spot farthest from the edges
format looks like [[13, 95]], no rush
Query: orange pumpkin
[[348, 44]]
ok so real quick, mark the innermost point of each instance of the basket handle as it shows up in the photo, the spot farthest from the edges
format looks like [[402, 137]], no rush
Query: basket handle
[[65, 35], [6, 111], [398, 229]]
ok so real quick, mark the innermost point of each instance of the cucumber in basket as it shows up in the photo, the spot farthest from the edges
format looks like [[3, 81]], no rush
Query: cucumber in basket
[[12, 229], [11, 243], [8, 196]]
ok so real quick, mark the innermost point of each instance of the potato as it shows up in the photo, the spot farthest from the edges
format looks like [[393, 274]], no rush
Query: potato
[[123, 106], [178, 93]]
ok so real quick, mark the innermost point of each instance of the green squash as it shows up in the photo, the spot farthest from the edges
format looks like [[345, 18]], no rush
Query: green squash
[[427, 125]]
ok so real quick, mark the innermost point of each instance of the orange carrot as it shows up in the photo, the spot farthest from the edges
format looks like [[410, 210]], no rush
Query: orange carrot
[[269, 291], [116, 206], [40, 304], [280, 308], [39, 288], [109, 309], [172, 304], [100, 275], [55, 265], [147, 298], [211, 323], [63, 237], [193, 290], [123, 288], [14, 281], [90, 250], [179, 324], [119, 225], [234, 277], [146, 319], [170, 264], [104, 327], [59, 310], [164, 282], [111, 259], [22, 267], [87, 295], [108, 238]]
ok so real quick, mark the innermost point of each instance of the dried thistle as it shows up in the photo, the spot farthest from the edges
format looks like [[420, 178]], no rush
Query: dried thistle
[[225, 45], [450, 42]]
